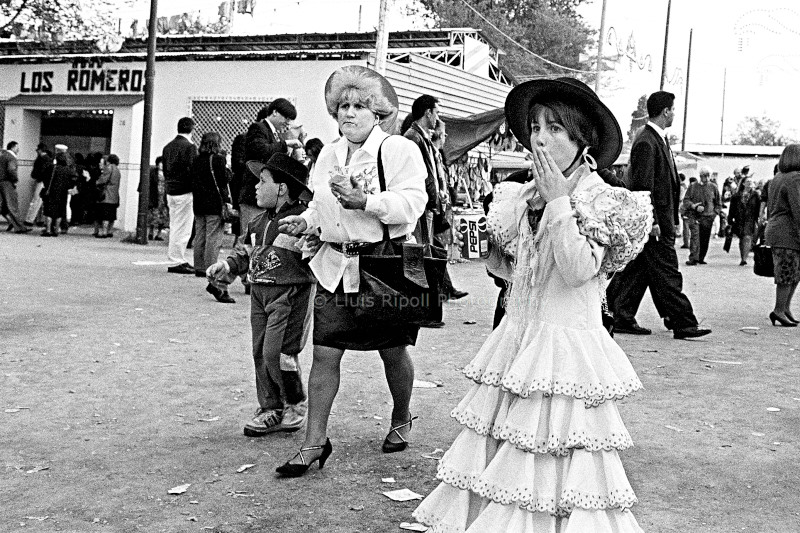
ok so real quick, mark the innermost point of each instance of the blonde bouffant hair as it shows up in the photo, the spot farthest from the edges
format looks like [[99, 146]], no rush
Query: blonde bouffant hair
[[361, 85]]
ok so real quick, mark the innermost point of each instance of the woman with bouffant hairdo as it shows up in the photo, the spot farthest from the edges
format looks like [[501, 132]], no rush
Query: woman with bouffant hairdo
[[349, 212]]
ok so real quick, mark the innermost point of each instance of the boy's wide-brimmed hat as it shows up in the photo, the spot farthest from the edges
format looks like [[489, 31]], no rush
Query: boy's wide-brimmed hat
[[368, 81], [570, 91], [290, 170]]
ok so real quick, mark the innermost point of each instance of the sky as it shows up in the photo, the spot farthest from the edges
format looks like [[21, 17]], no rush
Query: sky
[[744, 58]]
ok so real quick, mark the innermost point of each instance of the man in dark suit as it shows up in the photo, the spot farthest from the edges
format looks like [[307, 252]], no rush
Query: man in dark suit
[[260, 143], [178, 157], [652, 168], [8, 188]]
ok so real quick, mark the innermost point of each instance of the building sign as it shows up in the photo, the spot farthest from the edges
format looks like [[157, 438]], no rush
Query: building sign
[[84, 76]]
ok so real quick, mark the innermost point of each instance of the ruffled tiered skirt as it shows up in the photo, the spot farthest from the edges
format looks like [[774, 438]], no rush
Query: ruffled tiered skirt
[[539, 448]]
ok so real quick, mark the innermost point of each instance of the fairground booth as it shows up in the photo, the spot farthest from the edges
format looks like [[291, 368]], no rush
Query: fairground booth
[[94, 102]]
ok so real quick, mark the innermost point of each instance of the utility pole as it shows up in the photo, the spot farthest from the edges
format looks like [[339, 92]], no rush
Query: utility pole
[[600, 48], [666, 42], [382, 44], [722, 114], [147, 126], [686, 100]]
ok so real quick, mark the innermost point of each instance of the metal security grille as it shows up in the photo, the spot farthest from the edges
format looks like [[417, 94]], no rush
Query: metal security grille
[[229, 118]]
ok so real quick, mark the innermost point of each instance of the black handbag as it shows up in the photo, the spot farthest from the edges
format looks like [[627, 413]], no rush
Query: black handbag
[[762, 256], [229, 214], [402, 282]]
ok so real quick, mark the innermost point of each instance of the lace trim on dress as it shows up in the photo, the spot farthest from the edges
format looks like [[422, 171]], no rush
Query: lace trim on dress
[[524, 498], [593, 394], [553, 444]]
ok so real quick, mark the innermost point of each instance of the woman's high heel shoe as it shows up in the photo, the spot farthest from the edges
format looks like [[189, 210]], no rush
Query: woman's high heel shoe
[[392, 447], [296, 470], [783, 322], [791, 318]]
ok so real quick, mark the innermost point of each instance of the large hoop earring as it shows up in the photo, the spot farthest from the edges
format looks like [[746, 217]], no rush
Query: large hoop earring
[[588, 159]]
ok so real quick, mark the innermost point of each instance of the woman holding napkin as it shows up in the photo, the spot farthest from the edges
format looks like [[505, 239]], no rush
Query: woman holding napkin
[[348, 213]]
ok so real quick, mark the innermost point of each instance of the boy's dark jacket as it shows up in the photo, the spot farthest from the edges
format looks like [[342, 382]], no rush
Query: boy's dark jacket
[[268, 256]]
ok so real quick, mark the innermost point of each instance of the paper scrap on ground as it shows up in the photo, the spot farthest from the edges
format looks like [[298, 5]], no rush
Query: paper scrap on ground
[[673, 428], [356, 507], [435, 454], [39, 518], [388, 480], [750, 329], [773, 409], [212, 419], [180, 489], [421, 384], [177, 341], [16, 410], [37, 469], [402, 495], [721, 362], [757, 434], [152, 263], [244, 467], [413, 527]]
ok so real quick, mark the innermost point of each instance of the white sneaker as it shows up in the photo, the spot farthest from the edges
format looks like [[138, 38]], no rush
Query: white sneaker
[[263, 423], [294, 416]]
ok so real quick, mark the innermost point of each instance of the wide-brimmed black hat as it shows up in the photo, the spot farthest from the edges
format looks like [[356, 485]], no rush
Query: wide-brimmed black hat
[[287, 170], [570, 91]]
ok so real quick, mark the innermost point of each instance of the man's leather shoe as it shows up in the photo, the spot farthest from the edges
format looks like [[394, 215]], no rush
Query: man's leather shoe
[[690, 333], [631, 328], [702, 263], [455, 294], [691, 263], [431, 324], [183, 268]]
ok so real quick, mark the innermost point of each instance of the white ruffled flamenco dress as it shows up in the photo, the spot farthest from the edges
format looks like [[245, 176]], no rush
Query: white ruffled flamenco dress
[[539, 447]]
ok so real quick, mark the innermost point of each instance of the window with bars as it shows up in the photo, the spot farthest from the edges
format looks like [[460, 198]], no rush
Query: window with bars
[[229, 118]]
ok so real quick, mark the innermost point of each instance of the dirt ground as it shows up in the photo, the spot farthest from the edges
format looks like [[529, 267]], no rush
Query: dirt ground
[[120, 381]]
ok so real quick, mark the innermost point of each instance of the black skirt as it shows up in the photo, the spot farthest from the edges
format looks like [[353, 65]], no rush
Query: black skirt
[[340, 323]]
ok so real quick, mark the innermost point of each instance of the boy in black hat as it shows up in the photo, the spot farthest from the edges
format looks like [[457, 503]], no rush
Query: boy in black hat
[[281, 295]]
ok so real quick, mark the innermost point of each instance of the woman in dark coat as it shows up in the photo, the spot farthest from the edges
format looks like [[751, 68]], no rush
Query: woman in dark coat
[[55, 195], [743, 216], [157, 212], [108, 185], [783, 233], [210, 191]]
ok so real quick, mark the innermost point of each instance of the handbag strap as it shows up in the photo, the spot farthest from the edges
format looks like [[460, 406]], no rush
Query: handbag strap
[[214, 180], [382, 180]]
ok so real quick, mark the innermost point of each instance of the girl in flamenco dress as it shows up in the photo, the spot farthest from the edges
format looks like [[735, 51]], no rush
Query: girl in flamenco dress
[[538, 451]]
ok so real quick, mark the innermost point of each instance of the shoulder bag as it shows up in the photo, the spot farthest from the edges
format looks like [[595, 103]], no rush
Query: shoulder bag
[[229, 214], [402, 282], [762, 255]]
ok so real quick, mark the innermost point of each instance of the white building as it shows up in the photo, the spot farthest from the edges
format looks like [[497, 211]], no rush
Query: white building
[[92, 101]]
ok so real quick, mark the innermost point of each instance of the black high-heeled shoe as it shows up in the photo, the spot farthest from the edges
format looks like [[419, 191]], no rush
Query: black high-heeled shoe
[[296, 470], [392, 447], [791, 318], [783, 322]]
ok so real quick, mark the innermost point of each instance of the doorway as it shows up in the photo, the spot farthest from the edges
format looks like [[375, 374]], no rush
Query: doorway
[[83, 131]]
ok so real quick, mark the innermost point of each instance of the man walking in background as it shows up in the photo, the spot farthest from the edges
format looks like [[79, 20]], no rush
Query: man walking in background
[[8, 188], [702, 204], [652, 168], [41, 165], [178, 156]]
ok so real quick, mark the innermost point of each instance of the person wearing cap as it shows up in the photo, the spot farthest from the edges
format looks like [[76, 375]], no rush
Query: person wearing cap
[[55, 195], [702, 203], [8, 188], [538, 450], [349, 213], [652, 168], [39, 174], [281, 294]]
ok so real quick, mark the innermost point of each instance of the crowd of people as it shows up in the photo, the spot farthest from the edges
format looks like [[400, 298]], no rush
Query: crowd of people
[[89, 185], [572, 248]]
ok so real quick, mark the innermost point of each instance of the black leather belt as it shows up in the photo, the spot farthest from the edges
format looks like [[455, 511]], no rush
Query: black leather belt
[[352, 248]]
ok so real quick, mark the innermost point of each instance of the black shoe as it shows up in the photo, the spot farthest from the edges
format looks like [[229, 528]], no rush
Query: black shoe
[[183, 268], [786, 323], [690, 333], [431, 324], [247, 289], [631, 328], [455, 294], [692, 262], [219, 294], [199, 273], [702, 263], [392, 447], [29, 224], [296, 470]]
